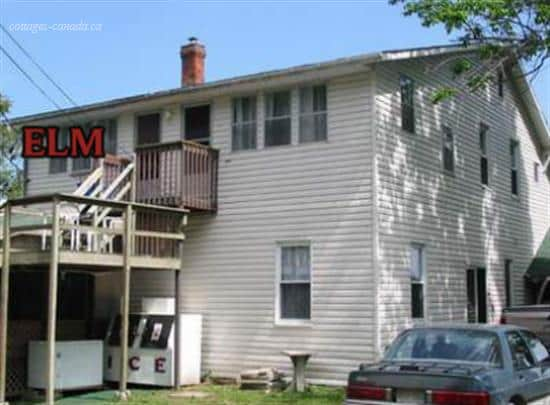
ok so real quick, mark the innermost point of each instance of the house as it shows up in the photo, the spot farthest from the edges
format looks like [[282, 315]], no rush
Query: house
[[331, 205]]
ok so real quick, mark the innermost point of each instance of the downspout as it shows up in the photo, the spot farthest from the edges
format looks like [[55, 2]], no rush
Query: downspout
[[374, 188]]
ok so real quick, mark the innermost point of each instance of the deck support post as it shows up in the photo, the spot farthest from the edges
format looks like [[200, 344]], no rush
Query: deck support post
[[52, 303], [177, 325], [125, 310], [4, 299]]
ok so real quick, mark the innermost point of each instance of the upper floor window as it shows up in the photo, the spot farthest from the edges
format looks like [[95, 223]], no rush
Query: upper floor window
[[536, 172], [110, 142], [148, 129], [277, 118], [407, 103], [244, 123], [83, 163], [313, 113], [417, 270], [59, 165], [514, 149], [294, 282], [500, 83], [448, 150], [483, 151], [197, 124]]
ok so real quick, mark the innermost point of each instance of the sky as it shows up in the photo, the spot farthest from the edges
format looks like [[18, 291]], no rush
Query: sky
[[128, 47]]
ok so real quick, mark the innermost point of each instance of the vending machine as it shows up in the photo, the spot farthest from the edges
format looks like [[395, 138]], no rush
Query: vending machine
[[151, 352]]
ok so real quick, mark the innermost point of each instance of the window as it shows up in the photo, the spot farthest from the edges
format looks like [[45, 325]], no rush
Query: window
[[417, 271], [538, 350], [295, 283], [521, 356], [148, 129], [313, 114], [536, 172], [500, 83], [448, 150], [277, 118], [508, 278], [244, 123], [514, 145], [111, 137], [83, 163], [197, 124], [483, 151], [59, 165], [407, 103]]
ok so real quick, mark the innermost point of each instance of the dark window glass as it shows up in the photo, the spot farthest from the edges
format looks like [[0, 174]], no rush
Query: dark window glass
[[83, 163], [295, 301], [417, 294], [111, 137], [483, 150], [514, 167], [416, 257], [500, 83], [59, 165], [536, 172], [313, 114], [277, 118], [244, 123], [407, 103], [148, 129], [197, 124], [448, 150], [537, 348], [521, 355]]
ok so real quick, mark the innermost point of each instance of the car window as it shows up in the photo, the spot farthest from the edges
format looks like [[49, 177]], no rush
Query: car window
[[521, 355], [546, 295], [539, 351], [447, 345]]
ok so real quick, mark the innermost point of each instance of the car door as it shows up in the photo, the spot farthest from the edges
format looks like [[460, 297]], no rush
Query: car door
[[526, 372], [542, 359]]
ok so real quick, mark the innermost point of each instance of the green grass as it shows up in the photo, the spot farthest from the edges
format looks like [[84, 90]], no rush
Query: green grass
[[218, 395]]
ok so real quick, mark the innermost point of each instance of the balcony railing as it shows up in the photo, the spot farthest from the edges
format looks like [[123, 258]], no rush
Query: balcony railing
[[180, 174]]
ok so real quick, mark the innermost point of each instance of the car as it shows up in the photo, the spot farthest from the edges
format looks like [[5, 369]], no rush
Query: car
[[534, 317], [470, 364]]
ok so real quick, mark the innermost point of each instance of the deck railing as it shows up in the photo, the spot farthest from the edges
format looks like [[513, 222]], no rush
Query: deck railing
[[182, 174]]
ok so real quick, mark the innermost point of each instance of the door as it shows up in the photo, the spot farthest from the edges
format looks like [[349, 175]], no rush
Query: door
[[476, 291]]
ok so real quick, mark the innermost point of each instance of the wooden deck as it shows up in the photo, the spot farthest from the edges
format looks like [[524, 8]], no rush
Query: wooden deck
[[87, 234]]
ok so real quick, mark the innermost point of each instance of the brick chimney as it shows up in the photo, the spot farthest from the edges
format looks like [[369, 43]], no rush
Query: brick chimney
[[192, 63]]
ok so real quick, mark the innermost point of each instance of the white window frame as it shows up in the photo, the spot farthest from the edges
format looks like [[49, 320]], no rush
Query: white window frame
[[312, 114], [289, 116], [234, 125], [422, 249], [278, 275]]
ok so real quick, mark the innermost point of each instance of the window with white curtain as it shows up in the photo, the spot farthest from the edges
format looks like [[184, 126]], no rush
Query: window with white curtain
[[294, 282], [313, 113], [417, 270], [277, 118], [244, 123]]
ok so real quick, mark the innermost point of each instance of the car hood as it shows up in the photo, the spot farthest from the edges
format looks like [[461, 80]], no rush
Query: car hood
[[425, 375]]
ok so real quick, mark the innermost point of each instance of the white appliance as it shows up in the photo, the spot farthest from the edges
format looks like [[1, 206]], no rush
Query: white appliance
[[78, 364], [151, 347]]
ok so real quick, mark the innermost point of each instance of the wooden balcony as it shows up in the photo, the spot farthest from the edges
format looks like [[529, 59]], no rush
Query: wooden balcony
[[177, 174]]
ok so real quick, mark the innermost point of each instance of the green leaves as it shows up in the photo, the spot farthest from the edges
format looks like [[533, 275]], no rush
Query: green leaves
[[11, 181], [505, 31]]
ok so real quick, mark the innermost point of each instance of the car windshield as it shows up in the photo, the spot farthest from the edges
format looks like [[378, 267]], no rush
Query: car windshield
[[447, 345]]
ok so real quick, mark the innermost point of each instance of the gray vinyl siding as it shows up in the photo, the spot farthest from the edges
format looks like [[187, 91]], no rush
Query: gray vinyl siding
[[317, 192], [462, 224]]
